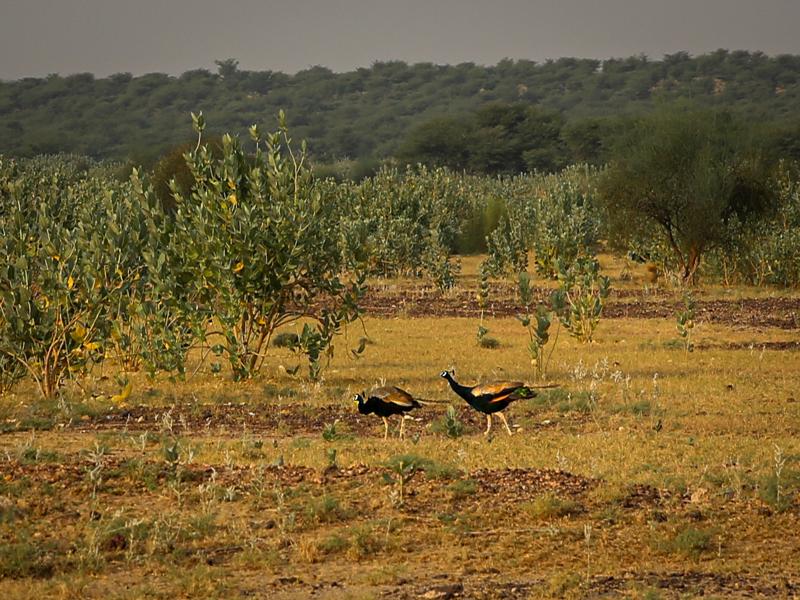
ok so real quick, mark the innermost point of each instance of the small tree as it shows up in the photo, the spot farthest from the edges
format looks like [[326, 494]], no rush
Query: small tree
[[259, 247], [66, 269], [537, 324], [580, 298], [685, 174]]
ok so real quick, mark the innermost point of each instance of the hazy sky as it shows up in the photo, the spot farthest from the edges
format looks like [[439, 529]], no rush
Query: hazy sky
[[38, 37]]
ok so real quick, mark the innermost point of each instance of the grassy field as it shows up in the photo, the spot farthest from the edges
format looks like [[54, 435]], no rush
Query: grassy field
[[651, 472]]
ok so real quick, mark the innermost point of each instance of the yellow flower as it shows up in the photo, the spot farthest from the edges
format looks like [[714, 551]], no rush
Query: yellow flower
[[238, 267], [124, 393], [78, 333], [70, 282]]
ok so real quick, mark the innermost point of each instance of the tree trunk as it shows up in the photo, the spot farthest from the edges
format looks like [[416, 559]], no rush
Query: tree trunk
[[691, 265]]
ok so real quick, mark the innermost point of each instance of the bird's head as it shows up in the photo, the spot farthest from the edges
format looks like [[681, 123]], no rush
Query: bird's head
[[358, 398], [447, 374]]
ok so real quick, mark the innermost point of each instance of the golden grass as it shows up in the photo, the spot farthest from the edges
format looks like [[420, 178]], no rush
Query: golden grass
[[679, 449]]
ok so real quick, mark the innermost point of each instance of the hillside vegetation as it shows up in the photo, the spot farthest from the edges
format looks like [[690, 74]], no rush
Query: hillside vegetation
[[369, 112]]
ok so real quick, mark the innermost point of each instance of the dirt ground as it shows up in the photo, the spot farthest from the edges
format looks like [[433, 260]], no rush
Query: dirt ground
[[648, 472]]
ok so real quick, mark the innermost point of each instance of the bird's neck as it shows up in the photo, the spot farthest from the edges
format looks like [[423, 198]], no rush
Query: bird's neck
[[459, 389]]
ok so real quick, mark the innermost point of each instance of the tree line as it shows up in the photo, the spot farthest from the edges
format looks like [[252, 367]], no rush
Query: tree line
[[562, 109]]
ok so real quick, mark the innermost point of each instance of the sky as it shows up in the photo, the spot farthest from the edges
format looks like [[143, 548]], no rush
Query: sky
[[39, 37]]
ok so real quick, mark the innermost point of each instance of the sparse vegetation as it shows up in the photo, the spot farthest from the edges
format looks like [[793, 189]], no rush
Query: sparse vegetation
[[134, 468], [450, 424]]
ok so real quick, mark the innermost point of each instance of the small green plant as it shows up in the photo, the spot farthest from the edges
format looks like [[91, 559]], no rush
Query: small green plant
[[286, 519], [564, 585], [462, 488], [333, 544], [777, 488], [326, 509], [581, 296], [450, 424], [484, 341], [537, 324], [331, 457], [402, 469], [365, 542], [97, 461], [329, 432], [549, 506], [685, 321], [689, 542], [23, 557]]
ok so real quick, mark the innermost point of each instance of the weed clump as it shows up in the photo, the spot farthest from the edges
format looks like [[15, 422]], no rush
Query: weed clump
[[689, 542], [326, 509], [333, 544], [489, 342], [286, 339], [463, 488], [550, 506], [450, 425]]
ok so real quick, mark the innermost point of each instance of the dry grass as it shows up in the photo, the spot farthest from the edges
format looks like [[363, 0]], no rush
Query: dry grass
[[653, 463]]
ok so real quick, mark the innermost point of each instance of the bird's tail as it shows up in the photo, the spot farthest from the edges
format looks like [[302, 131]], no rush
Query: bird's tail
[[425, 401], [529, 391]]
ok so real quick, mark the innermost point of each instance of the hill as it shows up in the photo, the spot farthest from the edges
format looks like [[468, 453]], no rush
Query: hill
[[369, 112]]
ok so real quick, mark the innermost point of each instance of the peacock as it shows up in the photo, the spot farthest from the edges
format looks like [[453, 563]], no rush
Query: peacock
[[490, 398], [385, 402]]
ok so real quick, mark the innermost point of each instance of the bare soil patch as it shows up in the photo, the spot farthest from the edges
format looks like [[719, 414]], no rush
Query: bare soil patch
[[782, 313]]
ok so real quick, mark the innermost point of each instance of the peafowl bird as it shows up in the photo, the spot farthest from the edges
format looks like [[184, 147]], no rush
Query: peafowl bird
[[490, 398], [385, 402]]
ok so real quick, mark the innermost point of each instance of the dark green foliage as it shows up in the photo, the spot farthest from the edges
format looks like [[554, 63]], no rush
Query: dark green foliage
[[496, 139], [369, 112], [488, 342], [440, 142], [483, 220], [286, 339], [686, 176], [173, 165], [768, 251]]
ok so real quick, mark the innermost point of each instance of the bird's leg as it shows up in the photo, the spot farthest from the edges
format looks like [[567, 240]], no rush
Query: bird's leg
[[385, 428], [488, 424], [402, 426], [503, 417]]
